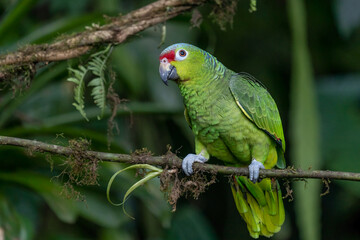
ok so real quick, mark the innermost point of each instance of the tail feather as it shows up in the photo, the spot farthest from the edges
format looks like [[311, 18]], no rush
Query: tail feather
[[265, 232], [271, 203], [254, 189], [240, 202], [252, 233], [245, 211], [281, 213], [256, 209], [253, 208], [269, 224], [260, 205]]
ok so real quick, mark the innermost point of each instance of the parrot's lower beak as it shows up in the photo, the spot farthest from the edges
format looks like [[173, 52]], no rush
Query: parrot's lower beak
[[168, 72]]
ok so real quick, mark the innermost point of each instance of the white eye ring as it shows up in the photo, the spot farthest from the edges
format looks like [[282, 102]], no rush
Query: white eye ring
[[181, 55]]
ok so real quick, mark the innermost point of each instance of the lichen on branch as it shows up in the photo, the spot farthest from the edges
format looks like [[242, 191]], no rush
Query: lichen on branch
[[172, 161], [75, 45]]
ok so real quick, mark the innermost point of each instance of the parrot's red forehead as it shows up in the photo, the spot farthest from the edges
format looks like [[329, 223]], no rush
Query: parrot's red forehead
[[170, 55]]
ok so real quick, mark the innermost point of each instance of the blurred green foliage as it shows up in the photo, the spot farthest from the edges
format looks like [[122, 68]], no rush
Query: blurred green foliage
[[304, 124], [32, 205]]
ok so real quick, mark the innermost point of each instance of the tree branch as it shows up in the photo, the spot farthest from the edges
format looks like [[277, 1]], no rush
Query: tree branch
[[116, 32], [173, 161]]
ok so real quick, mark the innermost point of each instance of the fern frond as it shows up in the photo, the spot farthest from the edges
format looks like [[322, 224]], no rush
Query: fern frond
[[99, 94], [79, 90], [97, 66]]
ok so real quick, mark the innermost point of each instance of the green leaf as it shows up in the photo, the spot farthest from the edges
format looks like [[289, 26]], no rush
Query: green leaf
[[252, 7], [190, 224], [11, 222], [95, 207], [43, 78], [15, 15], [115, 234], [49, 190], [154, 172], [79, 90], [97, 66]]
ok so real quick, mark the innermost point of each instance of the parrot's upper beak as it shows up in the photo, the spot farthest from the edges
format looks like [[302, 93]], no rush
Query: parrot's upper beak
[[167, 71]]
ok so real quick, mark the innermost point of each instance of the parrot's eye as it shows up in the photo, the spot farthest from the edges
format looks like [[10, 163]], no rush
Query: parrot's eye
[[181, 54]]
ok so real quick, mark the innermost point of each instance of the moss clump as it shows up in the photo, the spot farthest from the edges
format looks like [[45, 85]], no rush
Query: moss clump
[[81, 167], [223, 12], [175, 185]]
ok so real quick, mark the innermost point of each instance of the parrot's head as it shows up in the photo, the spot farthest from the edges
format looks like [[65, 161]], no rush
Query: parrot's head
[[180, 62]]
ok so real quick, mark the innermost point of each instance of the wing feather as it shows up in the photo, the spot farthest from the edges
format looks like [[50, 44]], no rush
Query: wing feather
[[257, 105], [187, 118]]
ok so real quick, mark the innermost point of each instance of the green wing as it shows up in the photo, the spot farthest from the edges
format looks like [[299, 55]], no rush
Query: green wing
[[187, 118], [258, 105]]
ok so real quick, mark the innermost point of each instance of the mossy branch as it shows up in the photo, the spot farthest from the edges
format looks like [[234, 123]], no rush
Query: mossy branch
[[116, 32], [172, 161]]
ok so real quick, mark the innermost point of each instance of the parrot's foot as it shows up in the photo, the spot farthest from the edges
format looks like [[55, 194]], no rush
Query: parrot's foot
[[254, 168], [189, 160]]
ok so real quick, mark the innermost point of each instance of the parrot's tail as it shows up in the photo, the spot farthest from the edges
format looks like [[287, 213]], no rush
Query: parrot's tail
[[260, 205]]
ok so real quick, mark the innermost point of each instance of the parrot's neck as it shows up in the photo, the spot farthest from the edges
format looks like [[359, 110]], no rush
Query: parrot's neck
[[210, 74], [208, 84]]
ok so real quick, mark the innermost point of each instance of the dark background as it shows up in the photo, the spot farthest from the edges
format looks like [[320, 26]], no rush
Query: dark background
[[259, 43]]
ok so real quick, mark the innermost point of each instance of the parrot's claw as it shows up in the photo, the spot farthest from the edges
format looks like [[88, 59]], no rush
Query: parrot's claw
[[254, 168], [189, 160]]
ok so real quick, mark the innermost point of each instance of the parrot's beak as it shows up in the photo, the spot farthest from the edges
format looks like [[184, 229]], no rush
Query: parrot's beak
[[167, 72]]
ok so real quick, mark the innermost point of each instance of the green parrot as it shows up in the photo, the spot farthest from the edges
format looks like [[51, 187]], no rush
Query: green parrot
[[234, 119]]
